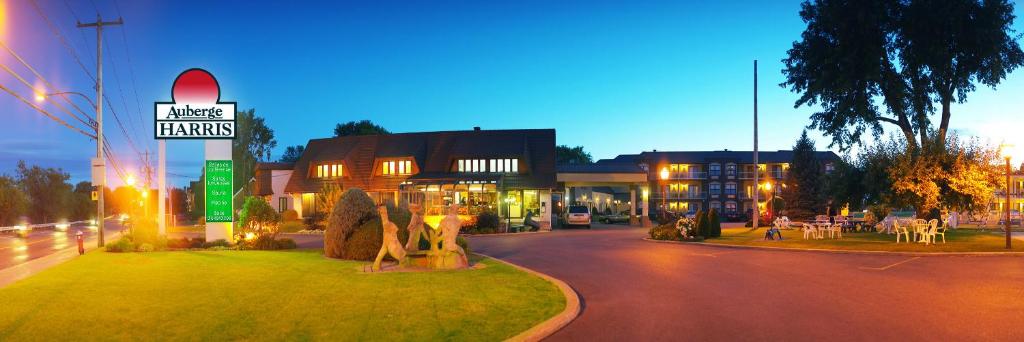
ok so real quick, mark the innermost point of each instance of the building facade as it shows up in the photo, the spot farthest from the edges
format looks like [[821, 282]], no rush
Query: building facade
[[511, 172], [1016, 190], [721, 180]]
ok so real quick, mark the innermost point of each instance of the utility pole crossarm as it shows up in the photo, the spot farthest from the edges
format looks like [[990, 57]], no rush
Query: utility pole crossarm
[[101, 23]]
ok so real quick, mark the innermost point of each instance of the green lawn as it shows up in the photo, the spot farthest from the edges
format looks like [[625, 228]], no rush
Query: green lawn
[[252, 295], [956, 241]]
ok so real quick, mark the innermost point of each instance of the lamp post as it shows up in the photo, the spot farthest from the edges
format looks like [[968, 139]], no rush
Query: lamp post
[[664, 197], [1006, 155], [508, 211]]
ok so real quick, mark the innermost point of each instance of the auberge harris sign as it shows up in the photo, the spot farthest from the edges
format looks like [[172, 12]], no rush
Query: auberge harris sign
[[196, 111]]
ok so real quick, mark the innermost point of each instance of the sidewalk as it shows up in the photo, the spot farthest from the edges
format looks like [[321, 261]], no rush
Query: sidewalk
[[21, 271]]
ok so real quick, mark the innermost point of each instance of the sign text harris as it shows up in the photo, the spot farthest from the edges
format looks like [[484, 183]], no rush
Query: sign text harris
[[195, 121]]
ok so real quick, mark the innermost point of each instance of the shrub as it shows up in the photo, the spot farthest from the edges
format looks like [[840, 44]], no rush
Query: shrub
[[289, 215], [216, 243], [315, 221], [488, 220], [700, 226], [266, 242], [352, 210], [145, 247], [714, 225], [122, 245], [365, 241], [291, 226], [144, 231], [259, 218], [462, 242], [665, 232]]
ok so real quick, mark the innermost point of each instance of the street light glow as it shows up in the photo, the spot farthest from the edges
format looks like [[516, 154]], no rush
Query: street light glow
[[40, 97], [664, 173], [130, 180]]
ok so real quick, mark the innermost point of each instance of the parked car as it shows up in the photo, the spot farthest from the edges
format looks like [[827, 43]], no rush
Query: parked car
[[735, 216], [622, 217], [578, 215]]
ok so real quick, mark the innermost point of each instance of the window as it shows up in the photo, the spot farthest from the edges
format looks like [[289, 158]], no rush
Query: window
[[730, 170], [488, 165], [330, 170], [715, 170], [282, 204], [715, 188], [399, 167], [730, 188], [829, 168], [717, 206], [730, 207]]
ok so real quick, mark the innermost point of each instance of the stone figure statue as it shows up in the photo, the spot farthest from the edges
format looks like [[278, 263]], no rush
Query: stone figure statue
[[391, 244], [452, 255], [415, 229]]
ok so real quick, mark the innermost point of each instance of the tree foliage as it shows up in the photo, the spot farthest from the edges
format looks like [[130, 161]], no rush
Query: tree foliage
[[362, 127], [874, 62], [353, 209], [48, 192], [572, 155], [259, 218], [803, 191], [292, 154], [13, 202], [253, 143]]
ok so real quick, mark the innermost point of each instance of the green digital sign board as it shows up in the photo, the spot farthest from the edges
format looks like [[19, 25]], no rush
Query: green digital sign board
[[218, 191]]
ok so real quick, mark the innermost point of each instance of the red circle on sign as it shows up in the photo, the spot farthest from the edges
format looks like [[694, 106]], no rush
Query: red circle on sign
[[195, 86]]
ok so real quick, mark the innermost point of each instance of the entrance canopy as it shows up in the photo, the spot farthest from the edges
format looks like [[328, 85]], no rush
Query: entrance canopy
[[589, 185]]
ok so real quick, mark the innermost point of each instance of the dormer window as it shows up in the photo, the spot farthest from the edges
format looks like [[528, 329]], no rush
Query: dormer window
[[488, 165], [329, 170], [396, 167]]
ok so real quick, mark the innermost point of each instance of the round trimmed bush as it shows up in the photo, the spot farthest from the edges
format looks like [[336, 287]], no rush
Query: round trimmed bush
[[353, 209], [289, 215], [365, 241]]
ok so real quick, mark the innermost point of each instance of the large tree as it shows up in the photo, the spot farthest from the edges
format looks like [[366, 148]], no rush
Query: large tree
[[572, 155], [803, 193], [13, 201], [362, 127], [292, 154], [47, 190], [874, 62], [254, 141]]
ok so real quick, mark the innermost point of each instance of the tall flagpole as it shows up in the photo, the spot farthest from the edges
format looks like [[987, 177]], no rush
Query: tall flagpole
[[757, 166]]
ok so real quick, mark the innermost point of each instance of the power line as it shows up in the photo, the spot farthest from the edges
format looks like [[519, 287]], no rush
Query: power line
[[36, 73], [60, 36], [92, 57], [51, 116], [48, 99], [131, 67]]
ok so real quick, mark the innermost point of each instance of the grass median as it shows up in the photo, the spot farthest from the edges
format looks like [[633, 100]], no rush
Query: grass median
[[252, 295], [956, 241]]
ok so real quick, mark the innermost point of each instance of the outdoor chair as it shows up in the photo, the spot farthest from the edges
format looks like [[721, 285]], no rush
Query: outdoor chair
[[835, 229], [942, 231], [900, 231], [928, 234], [810, 230]]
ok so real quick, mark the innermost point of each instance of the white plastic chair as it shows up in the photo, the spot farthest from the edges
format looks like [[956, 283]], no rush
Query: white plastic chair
[[928, 234], [900, 231], [942, 231], [835, 229], [810, 230]]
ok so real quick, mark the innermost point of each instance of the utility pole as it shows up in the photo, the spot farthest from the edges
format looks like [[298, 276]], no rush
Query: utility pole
[[757, 166], [99, 24]]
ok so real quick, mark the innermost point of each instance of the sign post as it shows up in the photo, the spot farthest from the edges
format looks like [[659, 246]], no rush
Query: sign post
[[198, 114]]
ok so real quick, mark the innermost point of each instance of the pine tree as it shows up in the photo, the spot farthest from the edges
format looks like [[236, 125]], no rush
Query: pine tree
[[714, 224], [698, 226], [803, 192]]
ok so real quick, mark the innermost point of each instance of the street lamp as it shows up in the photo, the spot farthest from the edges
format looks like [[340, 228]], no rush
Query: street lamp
[[664, 181], [508, 211], [1003, 149]]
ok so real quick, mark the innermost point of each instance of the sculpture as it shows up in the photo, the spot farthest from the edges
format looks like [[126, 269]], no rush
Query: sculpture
[[415, 229], [450, 254], [391, 244]]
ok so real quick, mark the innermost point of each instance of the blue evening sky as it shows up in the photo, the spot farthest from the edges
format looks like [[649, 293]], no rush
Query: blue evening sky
[[616, 77]]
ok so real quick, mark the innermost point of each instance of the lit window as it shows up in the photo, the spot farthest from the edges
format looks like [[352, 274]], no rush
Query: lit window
[[392, 167], [488, 165], [328, 171], [462, 165]]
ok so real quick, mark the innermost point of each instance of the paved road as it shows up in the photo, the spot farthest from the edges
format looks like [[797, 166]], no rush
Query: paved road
[[635, 290], [42, 242]]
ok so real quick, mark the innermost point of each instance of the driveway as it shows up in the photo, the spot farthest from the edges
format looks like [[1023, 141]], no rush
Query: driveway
[[638, 290]]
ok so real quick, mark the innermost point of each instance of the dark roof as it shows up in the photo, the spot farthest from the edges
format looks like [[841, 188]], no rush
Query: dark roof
[[601, 167], [433, 153], [741, 157], [264, 178]]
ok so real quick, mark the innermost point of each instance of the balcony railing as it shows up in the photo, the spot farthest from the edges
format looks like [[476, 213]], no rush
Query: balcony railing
[[682, 196], [688, 175]]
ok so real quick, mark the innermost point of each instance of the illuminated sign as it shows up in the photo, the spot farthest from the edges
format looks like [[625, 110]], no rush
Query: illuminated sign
[[219, 207], [196, 111]]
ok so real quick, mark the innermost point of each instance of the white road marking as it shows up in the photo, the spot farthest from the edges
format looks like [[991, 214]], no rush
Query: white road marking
[[889, 266]]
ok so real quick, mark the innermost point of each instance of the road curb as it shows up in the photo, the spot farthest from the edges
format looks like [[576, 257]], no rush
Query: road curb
[[506, 234], [553, 324], [836, 251], [32, 267]]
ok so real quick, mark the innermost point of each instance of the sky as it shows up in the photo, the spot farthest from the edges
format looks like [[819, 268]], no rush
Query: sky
[[616, 77]]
